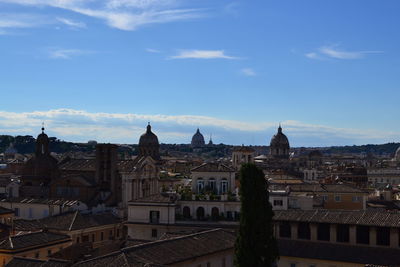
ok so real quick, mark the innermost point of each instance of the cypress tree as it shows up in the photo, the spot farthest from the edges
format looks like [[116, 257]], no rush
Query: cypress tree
[[255, 245]]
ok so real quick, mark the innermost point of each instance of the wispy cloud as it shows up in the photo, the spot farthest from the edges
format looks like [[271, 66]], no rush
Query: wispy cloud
[[151, 50], [202, 54], [15, 20], [79, 125], [121, 14], [71, 23], [334, 52], [58, 53], [248, 72]]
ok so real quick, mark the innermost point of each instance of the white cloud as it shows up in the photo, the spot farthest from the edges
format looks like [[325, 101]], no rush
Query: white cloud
[[121, 14], [14, 20], [151, 50], [79, 125], [248, 72], [202, 54], [71, 23], [57, 53], [334, 52]]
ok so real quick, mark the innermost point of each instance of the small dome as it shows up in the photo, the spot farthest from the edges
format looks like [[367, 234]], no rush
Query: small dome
[[11, 150], [397, 155], [198, 139], [148, 144]]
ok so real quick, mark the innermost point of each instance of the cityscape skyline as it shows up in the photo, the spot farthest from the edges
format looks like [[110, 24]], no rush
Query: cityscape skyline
[[234, 69], [81, 126]]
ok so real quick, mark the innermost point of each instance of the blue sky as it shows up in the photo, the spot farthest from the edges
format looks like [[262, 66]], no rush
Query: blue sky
[[100, 69]]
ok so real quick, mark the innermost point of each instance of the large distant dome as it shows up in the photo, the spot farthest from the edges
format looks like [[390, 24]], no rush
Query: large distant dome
[[149, 145], [279, 146], [397, 155], [198, 139]]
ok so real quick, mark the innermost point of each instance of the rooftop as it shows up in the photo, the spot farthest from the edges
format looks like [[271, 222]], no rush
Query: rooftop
[[31, 240], [355, 217]]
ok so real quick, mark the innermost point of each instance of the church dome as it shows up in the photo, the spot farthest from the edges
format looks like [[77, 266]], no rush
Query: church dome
[[148, 144], [279, 145], [198, 139], [397, 155]]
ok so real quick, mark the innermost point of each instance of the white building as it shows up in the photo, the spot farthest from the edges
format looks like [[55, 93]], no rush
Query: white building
[[213, 177]]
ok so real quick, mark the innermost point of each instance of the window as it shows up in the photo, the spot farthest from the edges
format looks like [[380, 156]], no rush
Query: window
[[154, 216], [223, 263], [215, 213], [211, 184], [49, 252], [110, 235], [323, 231], [37, 255], [285, 230], [200, 185], [343, 233], [200, 213], [16, 211], [186, 212], [93, 238], [224, 186], [356, 199], [303, 231], [383, 236], [154, 233], [77, 239], [338, 198], [208, 264], [45, 213], [102, 236], [117, 232], [278, 202], [325, 198], [362, 234], [85, 238]]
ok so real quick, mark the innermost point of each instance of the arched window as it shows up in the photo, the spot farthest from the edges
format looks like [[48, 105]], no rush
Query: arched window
[[215, 213], [211, 185], [224, 186], [200, 185], [200, 213], [186, 212]]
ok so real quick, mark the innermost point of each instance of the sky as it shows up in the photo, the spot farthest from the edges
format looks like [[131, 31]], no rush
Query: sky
[[328, 71]]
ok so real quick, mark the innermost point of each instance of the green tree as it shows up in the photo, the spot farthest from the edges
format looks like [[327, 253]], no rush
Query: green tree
[[255, 245]]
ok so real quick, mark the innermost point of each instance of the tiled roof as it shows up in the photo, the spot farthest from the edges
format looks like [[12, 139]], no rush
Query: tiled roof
[[357, 217], [90, 164], [338, 252], [26, 262], [213, 167], [326, 188], [157, 198], [45, 201], [79, 165], [31, 240], [68, 221], [169, 251]]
